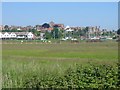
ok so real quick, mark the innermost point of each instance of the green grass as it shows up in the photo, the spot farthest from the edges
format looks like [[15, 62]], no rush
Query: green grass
[[23, 61]]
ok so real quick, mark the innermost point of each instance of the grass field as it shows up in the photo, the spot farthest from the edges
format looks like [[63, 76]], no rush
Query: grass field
[[20, 62]]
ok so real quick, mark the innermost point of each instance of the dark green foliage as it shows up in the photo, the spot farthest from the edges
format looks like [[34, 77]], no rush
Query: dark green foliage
[[6, 27], [56, 33], [118, 31], [13, 30], [48, 35], [118, 73], [89, 76], [35, 32], [6, 30], [115, 37], [45, 25]]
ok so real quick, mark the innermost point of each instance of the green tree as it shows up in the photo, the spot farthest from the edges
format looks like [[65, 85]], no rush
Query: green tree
[[35, 32], [118, 31], [6, 27], [15, 30], [56, 33], [82, 32], [6, 31], [48, 35]]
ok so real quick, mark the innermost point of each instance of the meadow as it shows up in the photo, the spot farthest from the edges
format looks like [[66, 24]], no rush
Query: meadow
[[65, 65]]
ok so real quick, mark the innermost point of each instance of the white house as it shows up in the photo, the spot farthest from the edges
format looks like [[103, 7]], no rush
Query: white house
[[25, 35], [17, 35], [21, 35], [67, 27], [30, 35], [13, 35], [5, 35]]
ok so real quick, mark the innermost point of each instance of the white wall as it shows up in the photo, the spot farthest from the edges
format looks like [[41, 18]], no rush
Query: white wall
[[13, 35], [0, 35], [30, 35], [6, 35]]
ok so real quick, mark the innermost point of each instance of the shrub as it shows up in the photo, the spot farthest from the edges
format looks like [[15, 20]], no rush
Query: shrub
[[89, 76]]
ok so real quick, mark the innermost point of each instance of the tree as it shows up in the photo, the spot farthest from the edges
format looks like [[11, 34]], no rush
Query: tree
[[34, 31], [56, 33], [6, 27], [48, 35], [118, 31], [14, 30], [82, 32], [45, 25]]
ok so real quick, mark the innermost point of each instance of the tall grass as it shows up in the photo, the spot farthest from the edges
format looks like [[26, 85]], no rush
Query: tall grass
[[27, 65]]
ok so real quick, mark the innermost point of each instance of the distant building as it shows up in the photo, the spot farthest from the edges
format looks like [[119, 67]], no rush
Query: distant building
[[42, 36], [1, 27], [52, 24]]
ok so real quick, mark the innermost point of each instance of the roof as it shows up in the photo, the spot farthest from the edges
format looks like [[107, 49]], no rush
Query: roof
[[18, 33]]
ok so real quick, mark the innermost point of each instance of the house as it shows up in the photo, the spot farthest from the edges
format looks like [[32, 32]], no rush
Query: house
[[21, 35], [25, 35], [12, 35], [1, 27], [42, 36], [5, 35], [30, 35], [17, 35]]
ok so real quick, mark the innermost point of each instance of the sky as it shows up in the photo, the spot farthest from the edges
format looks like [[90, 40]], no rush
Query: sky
[[104, 14], [60, 0]]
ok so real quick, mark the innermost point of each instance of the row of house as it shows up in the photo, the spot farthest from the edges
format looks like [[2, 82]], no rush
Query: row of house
[[17, 35], [27, 28]]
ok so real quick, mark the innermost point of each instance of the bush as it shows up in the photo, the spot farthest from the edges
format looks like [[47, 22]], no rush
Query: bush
[[89, 76]]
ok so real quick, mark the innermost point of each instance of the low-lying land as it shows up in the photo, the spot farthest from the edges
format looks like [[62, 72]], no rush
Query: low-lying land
[[65, 65]]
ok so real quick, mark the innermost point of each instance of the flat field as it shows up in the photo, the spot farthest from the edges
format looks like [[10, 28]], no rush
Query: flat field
[[21, 62]]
